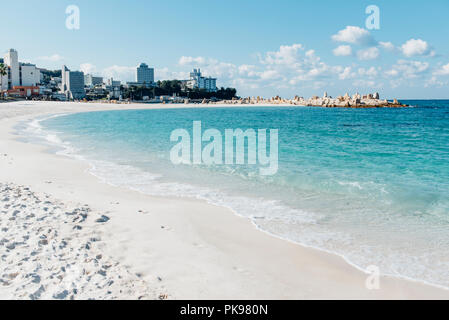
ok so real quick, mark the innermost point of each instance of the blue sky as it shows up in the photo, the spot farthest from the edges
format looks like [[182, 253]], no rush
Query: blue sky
[[285, 47]]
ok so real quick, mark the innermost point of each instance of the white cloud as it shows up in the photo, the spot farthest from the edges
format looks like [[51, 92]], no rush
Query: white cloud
[[223, 70], [371, 72], [316, 72], [53, 58], [286, 55], [88, 68], [368, 54], [319, 85], [434, 82], [361, 83], [444, 71], [122, 73], [408, 69], [387, 46], [294, 66], [247, 70], [185, 61], [416, 47], [346, 74], [343, 51], [354, 35], [270, 75], [166, 74], [242, 83], [392, 73]]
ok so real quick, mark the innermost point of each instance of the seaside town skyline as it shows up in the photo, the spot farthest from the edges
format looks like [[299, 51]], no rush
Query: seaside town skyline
[[26, 80], [407, 62]]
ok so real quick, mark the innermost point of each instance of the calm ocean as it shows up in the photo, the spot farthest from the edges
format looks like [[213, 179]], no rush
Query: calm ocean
[[371, 185]]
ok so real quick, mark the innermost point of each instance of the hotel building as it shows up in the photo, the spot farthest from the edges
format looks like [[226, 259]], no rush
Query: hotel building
[[197, 81], [145, 75], [72, 84], [19, 74]]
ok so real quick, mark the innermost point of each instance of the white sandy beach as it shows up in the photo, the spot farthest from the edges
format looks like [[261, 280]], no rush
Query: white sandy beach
[[64, 234]]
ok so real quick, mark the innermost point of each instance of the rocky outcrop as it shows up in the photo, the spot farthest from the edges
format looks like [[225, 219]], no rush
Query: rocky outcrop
[[346, 101]]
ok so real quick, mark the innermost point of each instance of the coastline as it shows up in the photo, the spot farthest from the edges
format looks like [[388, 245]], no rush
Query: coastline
[[200, 252]]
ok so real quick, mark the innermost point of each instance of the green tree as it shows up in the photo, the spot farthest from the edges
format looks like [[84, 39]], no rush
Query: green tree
[[3, 73], [171, 87]]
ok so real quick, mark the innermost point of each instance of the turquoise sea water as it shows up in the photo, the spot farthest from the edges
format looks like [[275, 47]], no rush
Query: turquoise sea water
[[371, 185]]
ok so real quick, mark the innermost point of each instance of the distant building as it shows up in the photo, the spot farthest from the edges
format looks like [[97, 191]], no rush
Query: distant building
[[145, 75], [29, 75], [24, 91], [92, 81], [12, 61], [59, 96], [114, 88], [55, 81], [19, 74], [72, 84], [138, 84], [113, 83], [97, 92], [197, 81]]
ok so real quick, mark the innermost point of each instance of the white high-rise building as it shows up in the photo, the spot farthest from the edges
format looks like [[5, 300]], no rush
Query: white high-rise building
[[145, 75], [19, 74], [72, 84], [12, 61], [29, 75], [92, 81], [199, 82]]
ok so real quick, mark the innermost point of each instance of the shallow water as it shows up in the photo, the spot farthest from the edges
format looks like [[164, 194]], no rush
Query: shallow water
[[371, 185]]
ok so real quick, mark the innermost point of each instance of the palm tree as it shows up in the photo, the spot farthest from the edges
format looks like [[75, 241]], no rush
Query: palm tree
[[3, 73]]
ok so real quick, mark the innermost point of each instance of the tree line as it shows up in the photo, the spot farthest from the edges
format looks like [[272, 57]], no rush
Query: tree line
[[174, 87]]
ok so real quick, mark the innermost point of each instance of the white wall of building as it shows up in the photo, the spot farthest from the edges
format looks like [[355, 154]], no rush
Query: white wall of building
[[91, 81], [12, 60], [19, 74], [30, 75], [200, 82]]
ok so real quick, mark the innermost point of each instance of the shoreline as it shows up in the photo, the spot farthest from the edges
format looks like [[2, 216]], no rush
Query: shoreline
[[243, 103], [268, 278]]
